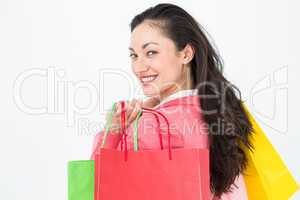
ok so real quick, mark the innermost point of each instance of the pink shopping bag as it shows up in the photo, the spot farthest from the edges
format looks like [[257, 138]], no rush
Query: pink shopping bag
[[163, 174]]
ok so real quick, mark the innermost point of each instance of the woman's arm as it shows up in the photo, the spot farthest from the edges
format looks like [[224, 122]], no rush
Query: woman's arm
[[186, 128]]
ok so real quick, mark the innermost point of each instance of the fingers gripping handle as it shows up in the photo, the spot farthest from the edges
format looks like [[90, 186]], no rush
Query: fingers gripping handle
[[123, 128]]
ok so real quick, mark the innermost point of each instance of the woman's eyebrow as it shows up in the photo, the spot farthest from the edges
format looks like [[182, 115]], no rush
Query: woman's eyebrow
[[144, 45]]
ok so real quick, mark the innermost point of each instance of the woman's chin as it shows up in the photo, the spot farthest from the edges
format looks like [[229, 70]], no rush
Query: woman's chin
[[150, 91]]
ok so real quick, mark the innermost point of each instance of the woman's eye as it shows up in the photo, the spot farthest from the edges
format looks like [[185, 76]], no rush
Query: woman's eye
[[132, 55], [150, 53]]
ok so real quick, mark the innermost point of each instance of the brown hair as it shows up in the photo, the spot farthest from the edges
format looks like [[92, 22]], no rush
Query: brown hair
[[227, 159]]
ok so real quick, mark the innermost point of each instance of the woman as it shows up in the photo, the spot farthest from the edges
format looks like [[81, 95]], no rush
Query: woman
[[181, 73]]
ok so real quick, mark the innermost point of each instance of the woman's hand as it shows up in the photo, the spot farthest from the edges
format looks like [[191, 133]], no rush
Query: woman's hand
[[151, 102], [131, 108]]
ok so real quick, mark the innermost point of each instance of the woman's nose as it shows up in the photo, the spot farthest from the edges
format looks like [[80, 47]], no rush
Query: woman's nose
[[140, 66]]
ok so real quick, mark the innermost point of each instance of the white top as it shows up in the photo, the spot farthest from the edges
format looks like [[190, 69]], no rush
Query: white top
[[180, 93]]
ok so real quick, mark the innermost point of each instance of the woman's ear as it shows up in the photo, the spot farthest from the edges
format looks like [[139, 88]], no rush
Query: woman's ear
[[188, 54]]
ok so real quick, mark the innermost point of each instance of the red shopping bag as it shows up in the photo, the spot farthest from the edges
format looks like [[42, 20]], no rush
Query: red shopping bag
[[175, 174]]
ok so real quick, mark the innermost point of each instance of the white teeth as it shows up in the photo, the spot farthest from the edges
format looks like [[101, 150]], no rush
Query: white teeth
[[148, 78]]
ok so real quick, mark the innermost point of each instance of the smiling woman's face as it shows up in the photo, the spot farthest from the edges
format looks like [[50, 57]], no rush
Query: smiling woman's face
[[156, 62]]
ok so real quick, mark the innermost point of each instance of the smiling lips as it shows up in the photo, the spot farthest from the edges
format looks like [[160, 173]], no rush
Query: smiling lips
[[148, 79]]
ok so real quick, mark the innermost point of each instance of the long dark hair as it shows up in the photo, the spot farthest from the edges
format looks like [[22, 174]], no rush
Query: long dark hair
[[227, 159]]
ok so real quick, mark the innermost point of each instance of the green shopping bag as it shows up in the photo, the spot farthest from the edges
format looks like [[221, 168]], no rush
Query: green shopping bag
[[81, 173], [81, 180]]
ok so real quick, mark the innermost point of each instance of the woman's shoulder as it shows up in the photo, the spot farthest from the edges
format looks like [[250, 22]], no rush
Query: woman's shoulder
[[180, 106], [185, 101], [179, 110]]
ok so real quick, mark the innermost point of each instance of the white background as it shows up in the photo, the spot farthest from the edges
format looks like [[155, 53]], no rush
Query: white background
[[75, 40]]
